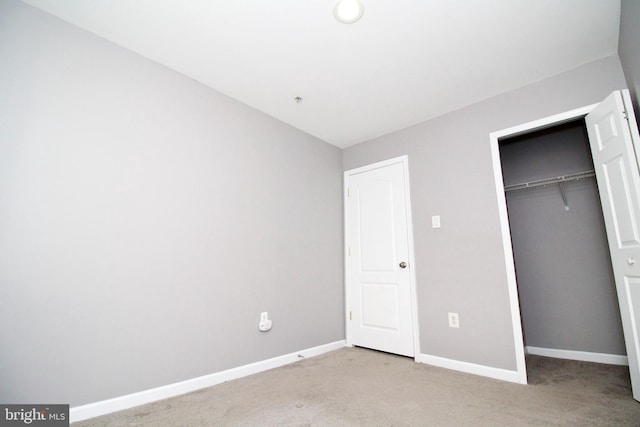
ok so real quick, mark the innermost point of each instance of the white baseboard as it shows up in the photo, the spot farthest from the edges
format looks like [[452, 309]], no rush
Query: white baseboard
[[609, 359], [91, 410], [472, 368]]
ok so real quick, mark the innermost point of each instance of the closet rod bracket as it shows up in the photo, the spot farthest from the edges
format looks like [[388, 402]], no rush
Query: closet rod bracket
[[564, 197]]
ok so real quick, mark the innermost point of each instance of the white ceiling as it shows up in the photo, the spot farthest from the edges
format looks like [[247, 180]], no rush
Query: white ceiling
[[404, 62]]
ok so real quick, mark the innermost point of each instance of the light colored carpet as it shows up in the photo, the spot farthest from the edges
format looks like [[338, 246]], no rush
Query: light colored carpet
[[359, 387]]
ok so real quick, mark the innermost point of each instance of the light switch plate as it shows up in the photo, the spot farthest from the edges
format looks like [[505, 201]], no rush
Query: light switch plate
[[435, 221], [454, 320]]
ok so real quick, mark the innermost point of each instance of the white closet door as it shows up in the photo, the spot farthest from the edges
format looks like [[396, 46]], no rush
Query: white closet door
[[612, 130]]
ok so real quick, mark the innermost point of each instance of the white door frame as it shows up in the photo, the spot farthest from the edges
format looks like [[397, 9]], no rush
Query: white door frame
[[514, 302], [404, 160]]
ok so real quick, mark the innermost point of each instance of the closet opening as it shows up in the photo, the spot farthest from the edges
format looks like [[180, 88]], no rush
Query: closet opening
[[565, 284]]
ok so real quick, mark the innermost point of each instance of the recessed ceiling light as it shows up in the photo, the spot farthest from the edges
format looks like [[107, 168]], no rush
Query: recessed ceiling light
[[348, 11]]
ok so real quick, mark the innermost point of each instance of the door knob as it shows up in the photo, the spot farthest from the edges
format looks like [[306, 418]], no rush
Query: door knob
[[631, 261], [403, 264]]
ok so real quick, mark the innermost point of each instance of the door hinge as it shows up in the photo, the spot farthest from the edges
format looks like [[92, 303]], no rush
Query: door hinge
[[350, 318], [349, 250], [348, 192], [625, 114]]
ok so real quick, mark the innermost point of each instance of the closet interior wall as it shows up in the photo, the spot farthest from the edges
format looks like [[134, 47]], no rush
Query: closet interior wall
[[563, 267]]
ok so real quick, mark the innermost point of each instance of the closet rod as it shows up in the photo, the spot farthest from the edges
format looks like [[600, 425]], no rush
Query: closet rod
[[548, 181]]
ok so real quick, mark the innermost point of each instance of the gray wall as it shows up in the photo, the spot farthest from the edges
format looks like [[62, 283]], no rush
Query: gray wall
[[146, 221], [461, 267], [629, 47], [565, 280]]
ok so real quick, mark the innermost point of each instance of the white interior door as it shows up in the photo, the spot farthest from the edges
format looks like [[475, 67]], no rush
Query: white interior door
[[378, 269], [612, 130]]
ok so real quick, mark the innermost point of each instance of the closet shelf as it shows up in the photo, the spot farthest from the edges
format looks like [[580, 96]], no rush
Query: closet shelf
[[548, 181]]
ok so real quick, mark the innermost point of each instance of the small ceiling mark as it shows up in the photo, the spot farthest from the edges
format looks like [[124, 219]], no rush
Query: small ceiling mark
[[298, 99]]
